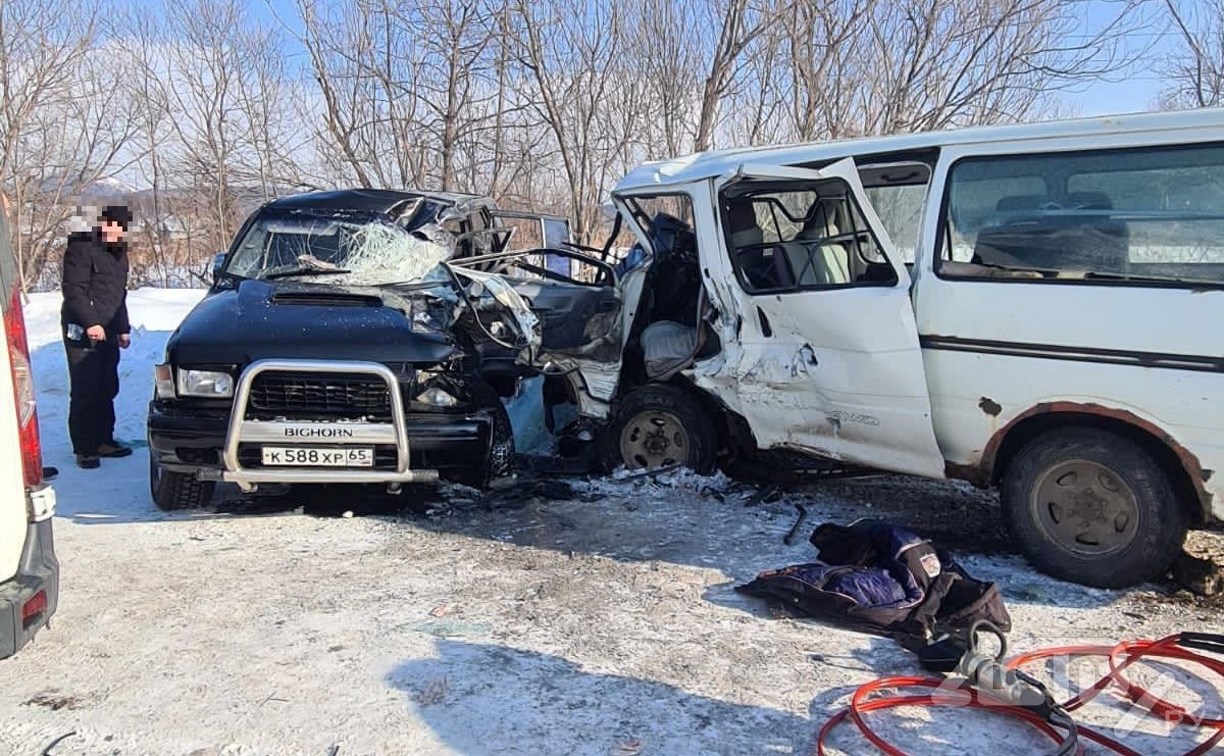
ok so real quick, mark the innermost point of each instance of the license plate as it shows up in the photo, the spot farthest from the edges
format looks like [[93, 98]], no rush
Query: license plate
[[318, 456]]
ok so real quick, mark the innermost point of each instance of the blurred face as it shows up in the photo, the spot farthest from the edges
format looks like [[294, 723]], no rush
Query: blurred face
[[112, 233]]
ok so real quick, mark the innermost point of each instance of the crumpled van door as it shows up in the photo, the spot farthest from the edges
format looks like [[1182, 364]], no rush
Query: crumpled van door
[[827, 358]]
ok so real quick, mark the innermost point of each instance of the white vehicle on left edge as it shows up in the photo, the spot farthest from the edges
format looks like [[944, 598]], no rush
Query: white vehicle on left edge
[[29, 572]]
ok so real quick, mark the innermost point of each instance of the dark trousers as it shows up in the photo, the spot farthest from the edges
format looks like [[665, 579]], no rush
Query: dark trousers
[[93, 370]]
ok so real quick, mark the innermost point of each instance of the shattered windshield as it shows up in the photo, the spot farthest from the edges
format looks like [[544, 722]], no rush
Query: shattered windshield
[[350, 250]]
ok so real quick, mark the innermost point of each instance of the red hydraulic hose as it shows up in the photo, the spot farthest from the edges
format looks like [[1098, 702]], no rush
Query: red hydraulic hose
[[1120, 657], [958, 697], [1124, 655], [860, 704], [1168, 648]]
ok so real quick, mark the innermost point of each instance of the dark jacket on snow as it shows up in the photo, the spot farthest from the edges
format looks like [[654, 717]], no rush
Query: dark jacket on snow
[[95, 284], [879, 578]]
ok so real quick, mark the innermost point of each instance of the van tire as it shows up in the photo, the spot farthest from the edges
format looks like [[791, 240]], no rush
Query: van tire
[[659, 425], [1093, 507], [175, 490]]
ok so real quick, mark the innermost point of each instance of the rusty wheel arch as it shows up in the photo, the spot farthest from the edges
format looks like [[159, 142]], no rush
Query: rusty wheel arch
[[1188, 474]]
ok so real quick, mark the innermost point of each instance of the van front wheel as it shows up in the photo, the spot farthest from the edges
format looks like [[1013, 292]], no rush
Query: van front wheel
[[659, 426], [1093, 507]]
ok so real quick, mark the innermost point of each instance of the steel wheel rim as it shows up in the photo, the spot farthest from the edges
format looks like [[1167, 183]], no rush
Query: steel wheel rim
[[654, 439], [1086, 508]]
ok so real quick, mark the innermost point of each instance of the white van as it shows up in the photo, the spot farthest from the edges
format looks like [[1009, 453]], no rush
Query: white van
[[1032, 307], [29, 572]]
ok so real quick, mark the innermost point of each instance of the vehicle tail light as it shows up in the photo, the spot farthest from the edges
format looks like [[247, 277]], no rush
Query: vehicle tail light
[[23, 390], [33, 608]]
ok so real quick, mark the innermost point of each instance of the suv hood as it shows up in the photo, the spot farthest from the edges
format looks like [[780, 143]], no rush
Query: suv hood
[[261, 319]]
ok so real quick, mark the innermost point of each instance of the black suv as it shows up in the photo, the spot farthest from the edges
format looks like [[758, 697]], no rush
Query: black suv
[[358, 336]]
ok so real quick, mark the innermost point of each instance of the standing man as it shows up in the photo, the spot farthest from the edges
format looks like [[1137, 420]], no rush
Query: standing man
[[95, 324]]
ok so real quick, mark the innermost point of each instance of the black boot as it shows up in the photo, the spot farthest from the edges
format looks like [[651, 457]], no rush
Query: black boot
[[88, 461], [112, 449]]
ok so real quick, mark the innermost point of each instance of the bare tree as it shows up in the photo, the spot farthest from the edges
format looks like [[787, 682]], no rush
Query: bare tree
[[825, 71], [274, 144], [455, 67], [860, 67], [1195, 71], [576, 79], [985, 61], [152, 110], [671, 66], [201, 85], [44, 47], [364, 60], [80, 144], [740, 23], [223, 80], [516, 147]]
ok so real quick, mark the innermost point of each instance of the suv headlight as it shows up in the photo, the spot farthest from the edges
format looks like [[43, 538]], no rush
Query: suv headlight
[[212, 384]]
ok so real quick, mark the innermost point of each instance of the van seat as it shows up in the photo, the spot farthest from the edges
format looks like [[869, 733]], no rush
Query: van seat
[[668, 348], [827, 264], [1089, 240]]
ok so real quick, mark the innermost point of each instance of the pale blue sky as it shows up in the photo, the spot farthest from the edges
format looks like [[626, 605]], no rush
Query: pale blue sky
[[1131, 90]]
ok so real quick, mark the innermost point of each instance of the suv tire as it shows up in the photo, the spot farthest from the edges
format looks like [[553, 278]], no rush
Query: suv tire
[[175, 490], [501, 461]]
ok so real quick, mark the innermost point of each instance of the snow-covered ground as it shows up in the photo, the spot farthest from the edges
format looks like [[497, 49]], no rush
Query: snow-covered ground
[[601, 620]]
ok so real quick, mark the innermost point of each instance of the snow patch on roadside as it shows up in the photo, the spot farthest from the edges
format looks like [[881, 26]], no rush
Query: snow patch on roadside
[[118, 492]]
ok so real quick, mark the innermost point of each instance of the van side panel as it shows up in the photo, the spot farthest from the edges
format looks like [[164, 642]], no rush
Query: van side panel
[[995, 349], [970, 415]]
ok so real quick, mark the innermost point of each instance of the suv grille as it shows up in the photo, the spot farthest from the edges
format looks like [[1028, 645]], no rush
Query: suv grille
[[319, 395]]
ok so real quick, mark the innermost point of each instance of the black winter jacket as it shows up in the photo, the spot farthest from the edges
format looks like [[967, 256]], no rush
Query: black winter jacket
[[95, 284]]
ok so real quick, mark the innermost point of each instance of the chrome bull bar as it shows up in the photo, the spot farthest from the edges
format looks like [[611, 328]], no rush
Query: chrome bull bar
[[242, 430]]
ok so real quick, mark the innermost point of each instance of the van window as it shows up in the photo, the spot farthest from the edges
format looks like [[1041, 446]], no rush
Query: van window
[[900, 210], [897, 191], [788, 238], [1138, 215]]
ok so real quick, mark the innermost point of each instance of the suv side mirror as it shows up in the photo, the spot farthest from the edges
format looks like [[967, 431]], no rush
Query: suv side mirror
[[218, 263]]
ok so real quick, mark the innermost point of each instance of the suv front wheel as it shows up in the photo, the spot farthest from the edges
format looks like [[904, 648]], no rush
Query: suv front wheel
[[1093, 507], [175, 490]]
